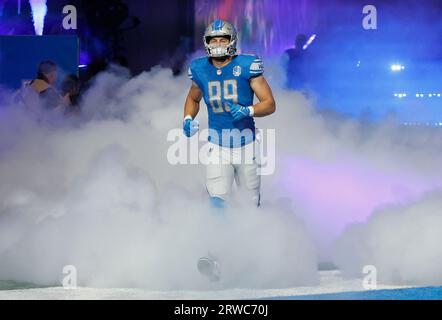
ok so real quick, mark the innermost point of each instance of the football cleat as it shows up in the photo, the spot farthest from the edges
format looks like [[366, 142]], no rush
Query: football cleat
[[210, 268]]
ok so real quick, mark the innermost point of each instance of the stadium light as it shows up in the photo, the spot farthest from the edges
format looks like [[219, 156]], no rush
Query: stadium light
[[309, 41]]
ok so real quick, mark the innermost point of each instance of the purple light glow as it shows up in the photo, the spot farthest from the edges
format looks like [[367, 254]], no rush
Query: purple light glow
[[85, 58], [336, 194], [265, 27]]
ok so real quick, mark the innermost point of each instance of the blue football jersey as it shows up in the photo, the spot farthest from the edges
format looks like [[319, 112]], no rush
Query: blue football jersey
[[230, 83]]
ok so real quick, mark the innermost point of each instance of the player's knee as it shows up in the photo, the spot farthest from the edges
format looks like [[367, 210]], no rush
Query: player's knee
[[251, 179], [217, 188], [253, 185], [254, 195]]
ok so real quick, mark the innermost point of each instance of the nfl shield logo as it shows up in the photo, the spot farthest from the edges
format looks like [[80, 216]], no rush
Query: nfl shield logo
[[237, 71]]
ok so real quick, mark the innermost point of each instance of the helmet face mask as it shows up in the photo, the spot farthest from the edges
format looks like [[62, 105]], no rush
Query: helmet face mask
[[220, 28]]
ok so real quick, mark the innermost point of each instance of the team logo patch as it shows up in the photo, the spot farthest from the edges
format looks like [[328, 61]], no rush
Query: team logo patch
[[219, 72], [237, 71]]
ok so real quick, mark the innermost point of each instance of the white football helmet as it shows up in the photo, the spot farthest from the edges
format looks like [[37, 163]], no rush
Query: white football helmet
[[220, 28]]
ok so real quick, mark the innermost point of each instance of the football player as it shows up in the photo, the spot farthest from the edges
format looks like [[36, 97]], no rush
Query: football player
[[228, 82]]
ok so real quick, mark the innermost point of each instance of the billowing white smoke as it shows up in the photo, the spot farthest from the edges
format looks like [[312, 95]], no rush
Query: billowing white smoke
[[100, 194], [401, 242], [39, 10], [338, 171], [376, 188]]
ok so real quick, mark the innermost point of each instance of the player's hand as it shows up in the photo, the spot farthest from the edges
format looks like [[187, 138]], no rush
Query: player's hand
[[238, 111], [190, 127]]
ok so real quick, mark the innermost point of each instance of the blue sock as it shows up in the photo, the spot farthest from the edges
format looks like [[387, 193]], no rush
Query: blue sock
[[217, 202]]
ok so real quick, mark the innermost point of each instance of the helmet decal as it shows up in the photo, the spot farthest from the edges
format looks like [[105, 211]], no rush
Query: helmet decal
[[217, 25]]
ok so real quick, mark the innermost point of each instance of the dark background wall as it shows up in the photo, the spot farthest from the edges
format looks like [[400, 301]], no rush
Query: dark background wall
[[166, 30], [164, 26], [164, 33], [16, 64]]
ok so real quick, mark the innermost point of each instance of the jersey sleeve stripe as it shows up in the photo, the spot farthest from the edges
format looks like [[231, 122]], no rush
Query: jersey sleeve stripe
[[256, 67]]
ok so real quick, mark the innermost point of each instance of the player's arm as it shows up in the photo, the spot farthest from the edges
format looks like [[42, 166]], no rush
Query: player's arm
[[191, 108], [192, 104], [264, 94]]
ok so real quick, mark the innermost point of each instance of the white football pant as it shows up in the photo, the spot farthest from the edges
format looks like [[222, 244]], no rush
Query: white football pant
[[240, 164]]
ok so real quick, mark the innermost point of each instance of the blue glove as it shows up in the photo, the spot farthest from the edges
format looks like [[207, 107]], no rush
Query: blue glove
[[190, 127], [238, 111]]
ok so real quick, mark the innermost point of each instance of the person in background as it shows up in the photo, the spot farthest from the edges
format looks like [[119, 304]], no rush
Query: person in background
[[295, 64], [43, 85], [70, 89], [40, 95]]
